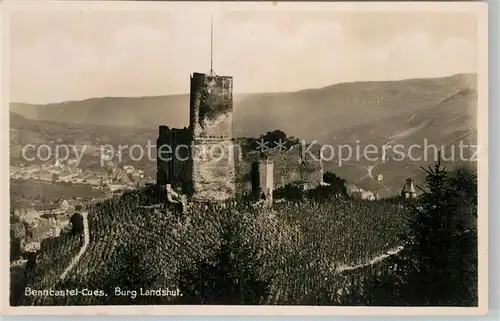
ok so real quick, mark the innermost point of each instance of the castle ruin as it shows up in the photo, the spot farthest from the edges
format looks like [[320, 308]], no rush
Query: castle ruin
[[199, 159]]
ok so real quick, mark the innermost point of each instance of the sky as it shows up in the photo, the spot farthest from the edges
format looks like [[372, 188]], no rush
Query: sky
[[58, 56]]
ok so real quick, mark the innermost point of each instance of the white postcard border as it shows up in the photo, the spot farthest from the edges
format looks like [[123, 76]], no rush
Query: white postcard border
[[479, 7]]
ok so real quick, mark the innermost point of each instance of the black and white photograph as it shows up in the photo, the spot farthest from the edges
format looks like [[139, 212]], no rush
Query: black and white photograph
[[252, 155]]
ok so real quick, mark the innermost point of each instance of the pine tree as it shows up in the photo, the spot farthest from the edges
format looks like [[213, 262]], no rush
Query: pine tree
[[436, 241]]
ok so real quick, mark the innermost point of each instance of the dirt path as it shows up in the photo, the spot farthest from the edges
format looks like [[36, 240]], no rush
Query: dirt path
[[152, 206], [375, 260], [86, 240]]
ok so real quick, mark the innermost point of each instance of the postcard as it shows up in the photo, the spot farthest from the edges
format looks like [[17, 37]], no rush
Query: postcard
[[245, 158]]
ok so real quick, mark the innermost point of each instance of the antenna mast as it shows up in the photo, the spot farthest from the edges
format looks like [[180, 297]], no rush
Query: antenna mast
[[212, 73]]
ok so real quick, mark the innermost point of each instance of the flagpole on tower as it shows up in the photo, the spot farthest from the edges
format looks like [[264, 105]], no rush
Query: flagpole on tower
[[212, 73]]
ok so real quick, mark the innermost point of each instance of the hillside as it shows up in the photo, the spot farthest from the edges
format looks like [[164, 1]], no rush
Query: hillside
[[132, 247], [445, 125], [310, 114], [438, 111], [339, 252]]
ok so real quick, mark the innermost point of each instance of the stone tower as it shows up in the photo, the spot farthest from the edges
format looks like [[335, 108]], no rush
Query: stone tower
[[211, 127], [266, 173]]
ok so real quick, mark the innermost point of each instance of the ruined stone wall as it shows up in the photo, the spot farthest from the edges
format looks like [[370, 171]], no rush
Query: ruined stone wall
[[247, 176], [162, 167], [288, 168], [266, 177], [174, 165], [211, 113], [293, 166]]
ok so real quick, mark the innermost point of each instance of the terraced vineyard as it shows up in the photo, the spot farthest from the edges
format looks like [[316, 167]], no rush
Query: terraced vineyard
[[53, 258], [294, 249]]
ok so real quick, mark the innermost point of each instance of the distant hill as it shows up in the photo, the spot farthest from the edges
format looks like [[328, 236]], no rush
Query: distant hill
[[440, 111], [310, 113]]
